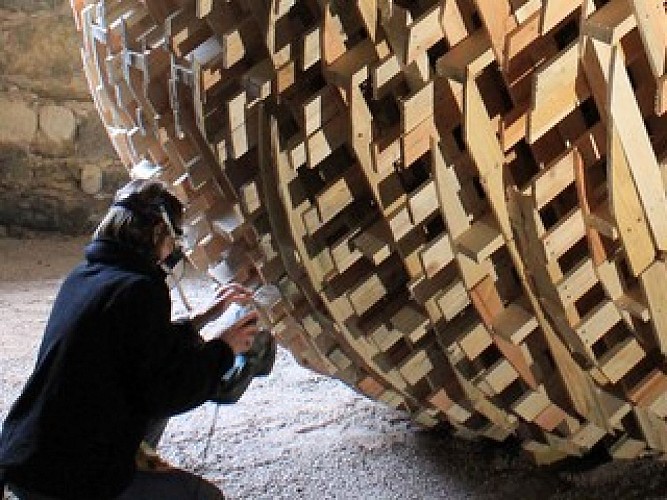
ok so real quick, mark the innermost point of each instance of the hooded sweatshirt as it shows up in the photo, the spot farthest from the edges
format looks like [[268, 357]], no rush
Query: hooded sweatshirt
[[110, 361]]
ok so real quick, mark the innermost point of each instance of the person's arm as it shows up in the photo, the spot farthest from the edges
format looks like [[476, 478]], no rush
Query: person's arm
[[224, 297], [168, 372]]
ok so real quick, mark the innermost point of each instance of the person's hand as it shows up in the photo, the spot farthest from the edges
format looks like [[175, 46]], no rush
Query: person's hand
[[241, 335], [225, 296]]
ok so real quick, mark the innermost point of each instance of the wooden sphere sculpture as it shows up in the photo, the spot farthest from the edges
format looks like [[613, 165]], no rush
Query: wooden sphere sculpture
[[462, 201]]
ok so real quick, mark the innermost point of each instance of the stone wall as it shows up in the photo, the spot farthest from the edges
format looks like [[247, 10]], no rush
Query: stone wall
[[58, 169]]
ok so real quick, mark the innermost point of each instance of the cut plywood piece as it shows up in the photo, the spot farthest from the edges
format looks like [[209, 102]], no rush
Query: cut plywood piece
[[653, 281], [626, 208], [448, 189], [652, 22], [481, 239], [514, 323], [638, 149]]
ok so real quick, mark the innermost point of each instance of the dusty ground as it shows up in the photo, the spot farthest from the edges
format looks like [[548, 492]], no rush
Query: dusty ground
[[296, 435]]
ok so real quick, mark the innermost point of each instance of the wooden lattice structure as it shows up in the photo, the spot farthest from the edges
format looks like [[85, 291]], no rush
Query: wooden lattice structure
[[462, 201]]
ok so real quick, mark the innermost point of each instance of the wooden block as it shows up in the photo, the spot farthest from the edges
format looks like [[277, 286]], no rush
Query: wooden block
[[498, 21], [371, 387], [417, 142], [373, 242], [519, 38], [448, 189], [416, 107], [385, 338], [466, 59], [453, 299], [423, 33], [562, 236], [554, 11], [481, 240], [257, 80], [597, 322], [458, 413], [383, 74], [653, 428], [364, 296], [519, 358], [323, 142], [474, 340], [514, 323], [627, 448], [484, 296], [530, 405], [436, 255], [651, 393], [611, 22], [577, 282], [423, 202], [319, 109], [400, 223], [500, 376], [588, 435], [227, 221], [352, 67], [311, 51], [555, 178], [441, 400], [601, 219], [634, 303], [559, 87], [338, 358], [250, 197], [416, 367], [333, 199], [410, 322], [621, 359], [550, 418], [344, 255], [661, 96]]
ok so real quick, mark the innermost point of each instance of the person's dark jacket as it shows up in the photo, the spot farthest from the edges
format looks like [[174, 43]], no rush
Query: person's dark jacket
[[110, 361]]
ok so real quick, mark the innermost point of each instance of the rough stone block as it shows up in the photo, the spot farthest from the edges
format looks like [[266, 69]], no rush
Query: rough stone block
[[18, 122]]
